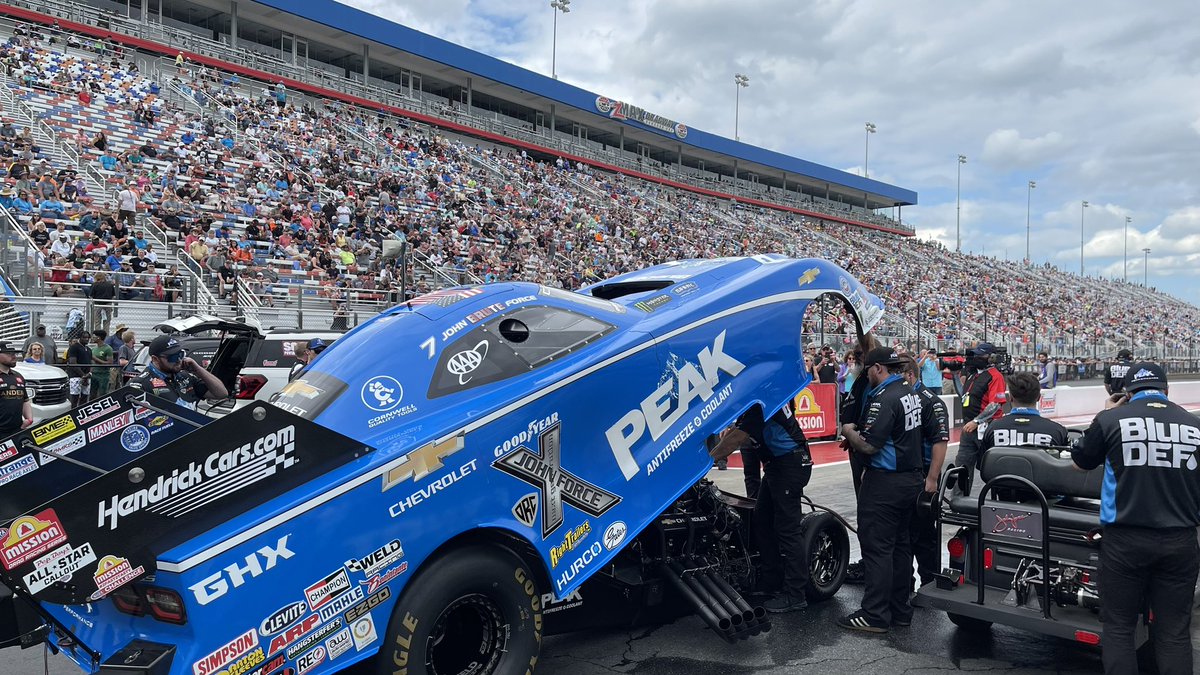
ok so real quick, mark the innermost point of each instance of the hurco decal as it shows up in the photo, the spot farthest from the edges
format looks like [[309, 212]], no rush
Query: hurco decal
[[573, 539], [378, 559], [235, 649], [53, 429], [671, 401], [30, 536], [579, 564], [221, 474], [543, 470]]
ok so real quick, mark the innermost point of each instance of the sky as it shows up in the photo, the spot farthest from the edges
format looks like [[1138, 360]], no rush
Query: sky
[[1095, 101]]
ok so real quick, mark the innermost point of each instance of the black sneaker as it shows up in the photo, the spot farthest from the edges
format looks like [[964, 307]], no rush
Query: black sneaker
[[785, 602], [855, 574], [860, 621], [903, 622]]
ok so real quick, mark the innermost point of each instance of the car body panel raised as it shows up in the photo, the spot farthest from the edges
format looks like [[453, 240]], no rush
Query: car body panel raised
[[562, 420]]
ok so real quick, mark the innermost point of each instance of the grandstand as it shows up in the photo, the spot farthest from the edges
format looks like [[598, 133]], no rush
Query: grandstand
[[331, 195]]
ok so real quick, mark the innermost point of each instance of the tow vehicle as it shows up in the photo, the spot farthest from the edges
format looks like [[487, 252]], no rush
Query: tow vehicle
[[448, 483]]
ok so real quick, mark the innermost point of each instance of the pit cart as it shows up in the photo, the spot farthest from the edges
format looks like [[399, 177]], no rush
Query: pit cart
[[446, 484], [1027, 549]]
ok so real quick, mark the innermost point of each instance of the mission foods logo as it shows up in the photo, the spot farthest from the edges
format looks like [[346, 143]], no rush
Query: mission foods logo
[[555, 485], [200, 483], [29, 537], [113, 573]]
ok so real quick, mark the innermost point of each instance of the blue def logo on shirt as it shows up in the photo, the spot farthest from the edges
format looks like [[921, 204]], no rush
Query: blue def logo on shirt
[[135, 438]]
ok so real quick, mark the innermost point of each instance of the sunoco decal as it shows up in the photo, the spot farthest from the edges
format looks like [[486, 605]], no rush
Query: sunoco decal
[[543, 470], [29, 537], [221, 474]]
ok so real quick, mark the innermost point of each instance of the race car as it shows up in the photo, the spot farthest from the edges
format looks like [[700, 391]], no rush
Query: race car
[[448, 483]]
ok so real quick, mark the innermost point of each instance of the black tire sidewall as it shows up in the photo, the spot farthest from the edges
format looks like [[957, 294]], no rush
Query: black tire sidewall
[[814, 524], [492, 571]]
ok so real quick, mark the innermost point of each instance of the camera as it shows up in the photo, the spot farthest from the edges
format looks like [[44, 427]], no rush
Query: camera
[[951, 360]]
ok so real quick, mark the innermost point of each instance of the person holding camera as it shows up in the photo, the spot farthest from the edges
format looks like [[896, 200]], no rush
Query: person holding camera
[[826, 367], [173, 375], [983, 389], [1149, 511]]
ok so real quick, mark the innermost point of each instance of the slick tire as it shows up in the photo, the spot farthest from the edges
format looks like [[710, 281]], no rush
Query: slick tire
[[969, 623], [473, 611], [827, 546]]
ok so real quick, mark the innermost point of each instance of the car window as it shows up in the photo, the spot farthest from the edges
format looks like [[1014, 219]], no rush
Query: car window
[[513, 344], [309, 395], [278, 353]]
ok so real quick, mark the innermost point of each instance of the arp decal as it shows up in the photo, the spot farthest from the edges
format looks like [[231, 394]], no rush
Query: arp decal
[[543, 470]]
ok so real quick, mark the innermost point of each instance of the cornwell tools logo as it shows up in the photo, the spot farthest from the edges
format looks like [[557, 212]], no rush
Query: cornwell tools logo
[[219, 475], [543, 470]]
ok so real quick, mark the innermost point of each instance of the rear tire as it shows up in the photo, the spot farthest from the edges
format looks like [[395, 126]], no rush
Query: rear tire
[[473, 611], [827, 546], [969, 623]]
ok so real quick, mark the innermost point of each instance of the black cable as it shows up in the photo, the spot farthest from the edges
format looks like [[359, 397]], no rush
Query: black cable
[[813, 505]]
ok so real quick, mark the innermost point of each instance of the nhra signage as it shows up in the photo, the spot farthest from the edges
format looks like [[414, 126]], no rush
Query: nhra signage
[[619, 110], [816, 410], [108, 531]]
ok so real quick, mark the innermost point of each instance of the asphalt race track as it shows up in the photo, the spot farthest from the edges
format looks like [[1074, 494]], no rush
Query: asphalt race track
[[798, 642]]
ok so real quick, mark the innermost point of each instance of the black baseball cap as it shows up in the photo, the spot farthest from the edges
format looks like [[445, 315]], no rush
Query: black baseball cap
[[1145, 375], [165, 345], [1124, 354], [982, 349], [882, 356], [7, 347]]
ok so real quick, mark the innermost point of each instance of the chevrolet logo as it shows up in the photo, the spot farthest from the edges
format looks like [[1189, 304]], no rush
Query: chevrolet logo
[[543, 470], [809, 276], [421, 462]]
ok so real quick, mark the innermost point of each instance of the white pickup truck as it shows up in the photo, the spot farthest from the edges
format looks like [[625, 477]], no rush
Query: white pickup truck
[[47, 387]]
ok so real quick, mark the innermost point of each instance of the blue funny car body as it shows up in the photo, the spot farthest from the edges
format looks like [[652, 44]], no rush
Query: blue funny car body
[[450, 472]]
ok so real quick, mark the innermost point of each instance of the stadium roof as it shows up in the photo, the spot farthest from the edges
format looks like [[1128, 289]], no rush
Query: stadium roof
[[333, 21]]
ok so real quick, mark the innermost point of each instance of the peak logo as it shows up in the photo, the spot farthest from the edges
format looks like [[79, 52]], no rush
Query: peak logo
[[667, 404]]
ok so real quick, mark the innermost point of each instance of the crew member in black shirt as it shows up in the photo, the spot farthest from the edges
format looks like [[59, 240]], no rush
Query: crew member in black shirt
[[1149, 508], [850, 411], [1024, 424], [16, 411], [175, 376], [935, 437], [787, 465], [1114, 374], [889, 436]]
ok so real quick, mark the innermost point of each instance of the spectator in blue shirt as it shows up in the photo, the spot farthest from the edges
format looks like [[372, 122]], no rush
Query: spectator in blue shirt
[[108, 161], [113, 261], [138, 240], [22, 203], [51, 208]]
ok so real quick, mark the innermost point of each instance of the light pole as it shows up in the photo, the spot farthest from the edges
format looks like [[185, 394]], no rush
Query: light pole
[[867, 146], [1146, 268], [962, 159], [740, 82], [1125, 269], [1028, 201], [1082, 210], [563, 6]]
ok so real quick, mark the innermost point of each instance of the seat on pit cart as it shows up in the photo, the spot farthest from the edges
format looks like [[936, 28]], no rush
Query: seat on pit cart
[[1054, 477]]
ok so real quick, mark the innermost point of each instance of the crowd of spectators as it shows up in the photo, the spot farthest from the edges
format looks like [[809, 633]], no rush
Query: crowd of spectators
[[277, 194]]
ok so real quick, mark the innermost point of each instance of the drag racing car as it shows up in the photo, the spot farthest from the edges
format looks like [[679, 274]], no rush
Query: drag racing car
[[1027, 549], [448, 483]]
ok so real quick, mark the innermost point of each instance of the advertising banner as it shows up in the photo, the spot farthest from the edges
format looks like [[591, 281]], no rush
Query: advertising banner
[[817, 410]]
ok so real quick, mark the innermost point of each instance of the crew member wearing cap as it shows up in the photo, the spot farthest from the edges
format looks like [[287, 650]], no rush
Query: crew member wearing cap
[[16, 410], [1149, 509], [49, 348], [889, 436], [315, 346], [935, 435], [177, 377], [1114, 374], [983, 388]]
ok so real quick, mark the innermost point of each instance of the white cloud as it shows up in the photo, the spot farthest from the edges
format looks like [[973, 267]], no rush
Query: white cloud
[[1006, 148]]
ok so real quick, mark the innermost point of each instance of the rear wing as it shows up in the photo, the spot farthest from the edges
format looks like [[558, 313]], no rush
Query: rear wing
[[149, 476]]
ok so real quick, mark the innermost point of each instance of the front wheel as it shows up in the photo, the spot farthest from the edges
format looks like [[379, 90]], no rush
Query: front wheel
[[828, 547], [473, 611]]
